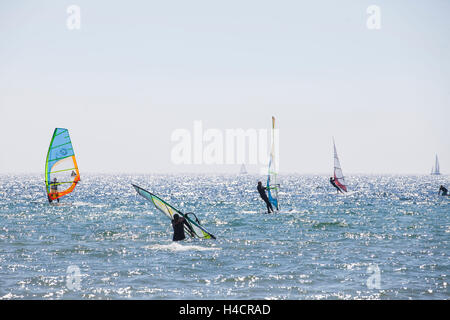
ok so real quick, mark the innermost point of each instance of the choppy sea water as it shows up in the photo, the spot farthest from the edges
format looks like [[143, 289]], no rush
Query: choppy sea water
[[388, 238]]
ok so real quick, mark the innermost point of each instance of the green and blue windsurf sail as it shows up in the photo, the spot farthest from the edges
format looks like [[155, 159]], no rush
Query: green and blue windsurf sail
[[272, 184], [196, 230], [61, 169]]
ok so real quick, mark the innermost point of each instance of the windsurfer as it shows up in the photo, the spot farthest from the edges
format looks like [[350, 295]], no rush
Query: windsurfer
[[53, 190], [444, 191], [262, 193], [334, 185], [178, 227]]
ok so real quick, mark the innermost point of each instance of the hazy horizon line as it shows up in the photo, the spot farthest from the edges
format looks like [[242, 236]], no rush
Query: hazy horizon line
[[235, 174]]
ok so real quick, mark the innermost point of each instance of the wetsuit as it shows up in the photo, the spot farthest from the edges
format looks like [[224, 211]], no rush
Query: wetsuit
[[444, 191], [334, 185], [262, 193], [178, 229]]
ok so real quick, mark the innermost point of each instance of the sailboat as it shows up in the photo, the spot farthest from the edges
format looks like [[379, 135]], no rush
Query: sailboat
[[243, 169], [272, 184], [339, 178], [435, 170], [61, 169]]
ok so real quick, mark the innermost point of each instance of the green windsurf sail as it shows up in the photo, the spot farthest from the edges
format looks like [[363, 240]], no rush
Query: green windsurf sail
[[198, 231]]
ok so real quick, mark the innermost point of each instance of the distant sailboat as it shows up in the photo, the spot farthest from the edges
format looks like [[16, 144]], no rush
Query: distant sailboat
[[339, 179], [243, 169], [435, 171]]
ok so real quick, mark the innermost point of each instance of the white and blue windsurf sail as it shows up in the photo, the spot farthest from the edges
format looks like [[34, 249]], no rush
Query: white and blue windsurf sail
[[196, 230], [272, 184], [61, 169]]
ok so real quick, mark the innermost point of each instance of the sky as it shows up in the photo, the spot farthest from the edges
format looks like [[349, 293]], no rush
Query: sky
[[137, 71]]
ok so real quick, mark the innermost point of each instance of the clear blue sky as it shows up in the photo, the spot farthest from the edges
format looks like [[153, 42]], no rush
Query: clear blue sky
[[138, 70]]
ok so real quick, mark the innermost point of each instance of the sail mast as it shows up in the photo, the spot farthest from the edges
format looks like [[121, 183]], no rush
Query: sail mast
[[272, 185]]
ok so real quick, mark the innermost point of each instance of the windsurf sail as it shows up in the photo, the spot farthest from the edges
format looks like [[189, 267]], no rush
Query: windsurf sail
[[197, 229], [436, 170], [272, 184], [61, 169], [339, 178]]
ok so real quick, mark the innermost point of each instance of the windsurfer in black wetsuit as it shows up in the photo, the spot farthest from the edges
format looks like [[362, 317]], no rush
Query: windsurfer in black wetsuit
[[262, 193], [178, 227], [444, 191], [53, 190], [332, 181]]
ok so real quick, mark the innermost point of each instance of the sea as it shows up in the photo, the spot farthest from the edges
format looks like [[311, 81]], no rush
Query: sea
[[387, 238]]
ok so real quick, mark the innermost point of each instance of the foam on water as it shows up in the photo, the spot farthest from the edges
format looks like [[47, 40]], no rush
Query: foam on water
[[176, 246]]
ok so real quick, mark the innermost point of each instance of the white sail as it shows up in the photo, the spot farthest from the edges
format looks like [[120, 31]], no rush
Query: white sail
[[243, 169], [339, 178], [436, 170]]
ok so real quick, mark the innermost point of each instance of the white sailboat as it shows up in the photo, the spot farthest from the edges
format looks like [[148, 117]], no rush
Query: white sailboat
[[435, 170], [243, 169]]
